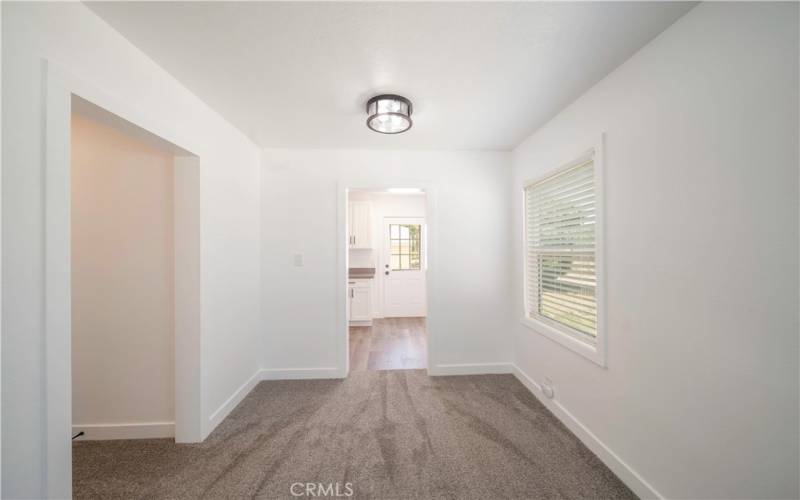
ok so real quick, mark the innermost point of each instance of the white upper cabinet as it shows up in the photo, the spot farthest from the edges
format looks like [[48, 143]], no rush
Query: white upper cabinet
[[359, 222]]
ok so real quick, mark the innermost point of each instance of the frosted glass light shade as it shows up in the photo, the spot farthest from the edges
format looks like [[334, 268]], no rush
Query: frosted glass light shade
[[389, 114]]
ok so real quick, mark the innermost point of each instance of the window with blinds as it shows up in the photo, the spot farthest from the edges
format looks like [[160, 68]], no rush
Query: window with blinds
[[560, 271]]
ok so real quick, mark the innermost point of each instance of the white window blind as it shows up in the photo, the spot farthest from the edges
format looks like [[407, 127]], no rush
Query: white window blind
[[560, 271]]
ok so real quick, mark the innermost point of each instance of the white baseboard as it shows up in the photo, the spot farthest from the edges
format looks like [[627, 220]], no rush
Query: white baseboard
[[228, 406], [300, 373], [143, 430], [167, 429], [470, 369], [624, 471], [266, 374], [333, 372], [150, 430]]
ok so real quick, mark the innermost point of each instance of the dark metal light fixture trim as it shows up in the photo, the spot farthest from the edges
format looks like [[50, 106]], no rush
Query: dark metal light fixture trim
[[393, 106]]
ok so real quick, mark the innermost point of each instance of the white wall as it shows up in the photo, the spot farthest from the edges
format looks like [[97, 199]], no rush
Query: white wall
[[123, 361], [383, 205], [700, 397], [72, 37], [468, 303]]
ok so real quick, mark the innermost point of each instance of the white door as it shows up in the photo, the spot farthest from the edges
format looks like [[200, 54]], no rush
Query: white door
[[403, 267]]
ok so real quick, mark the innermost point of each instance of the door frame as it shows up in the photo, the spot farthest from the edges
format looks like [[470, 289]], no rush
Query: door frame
[[384, 252], [60, 86], [343, 188]]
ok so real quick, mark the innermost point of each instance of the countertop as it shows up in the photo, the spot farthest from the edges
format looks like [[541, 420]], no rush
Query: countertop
[[361, 273]]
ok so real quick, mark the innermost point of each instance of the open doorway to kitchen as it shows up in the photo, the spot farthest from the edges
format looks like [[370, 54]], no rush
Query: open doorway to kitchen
[[386, 288]]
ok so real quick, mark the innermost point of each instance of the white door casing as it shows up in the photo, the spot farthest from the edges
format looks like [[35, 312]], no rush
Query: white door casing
[[404, 291], [378, 182], [61, 86]]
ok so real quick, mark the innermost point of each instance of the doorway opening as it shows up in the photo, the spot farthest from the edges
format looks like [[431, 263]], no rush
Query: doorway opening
[[386, 307], [131, 215], [66, 96]]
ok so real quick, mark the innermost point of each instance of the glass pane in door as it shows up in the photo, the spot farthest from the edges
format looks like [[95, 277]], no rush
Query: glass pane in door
[[405, 246]]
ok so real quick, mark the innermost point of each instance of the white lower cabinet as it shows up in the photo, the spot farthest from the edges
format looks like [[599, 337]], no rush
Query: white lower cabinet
[[360, 299]]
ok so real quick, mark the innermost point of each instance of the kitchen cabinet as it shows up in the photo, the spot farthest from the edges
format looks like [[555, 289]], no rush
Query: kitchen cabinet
[[359, 296], [359, 225]]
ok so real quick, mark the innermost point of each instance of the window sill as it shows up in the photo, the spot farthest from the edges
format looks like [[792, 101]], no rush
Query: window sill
[[594, 353]]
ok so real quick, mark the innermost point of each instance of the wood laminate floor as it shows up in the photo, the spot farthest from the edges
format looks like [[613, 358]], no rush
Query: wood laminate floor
[[389, 344]]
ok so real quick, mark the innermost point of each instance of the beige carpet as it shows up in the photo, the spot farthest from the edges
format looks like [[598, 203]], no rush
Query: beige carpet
[[390, 434]]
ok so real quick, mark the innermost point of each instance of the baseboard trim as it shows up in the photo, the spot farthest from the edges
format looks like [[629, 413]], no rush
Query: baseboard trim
[[470, 369], [266, 374], [143, 430], [300, 373], [624, 471], [333, 372], [227, 407], [152, 430]]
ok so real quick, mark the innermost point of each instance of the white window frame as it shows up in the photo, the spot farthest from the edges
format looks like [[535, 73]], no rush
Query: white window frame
[[595, 351]]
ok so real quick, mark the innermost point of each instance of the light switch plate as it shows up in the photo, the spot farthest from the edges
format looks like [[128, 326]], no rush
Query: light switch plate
[[298, 260]]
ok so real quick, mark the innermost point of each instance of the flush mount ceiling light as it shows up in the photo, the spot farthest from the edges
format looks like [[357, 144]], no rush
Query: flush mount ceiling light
[[389, 114]]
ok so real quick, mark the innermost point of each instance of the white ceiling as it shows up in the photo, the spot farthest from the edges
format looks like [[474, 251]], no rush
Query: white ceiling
[[480, 75]]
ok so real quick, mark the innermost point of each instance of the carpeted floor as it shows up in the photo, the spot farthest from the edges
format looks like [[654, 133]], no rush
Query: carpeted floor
[[391, 434]]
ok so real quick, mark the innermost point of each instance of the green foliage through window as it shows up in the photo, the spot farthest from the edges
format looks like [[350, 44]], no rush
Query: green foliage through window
[[405, 246]]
